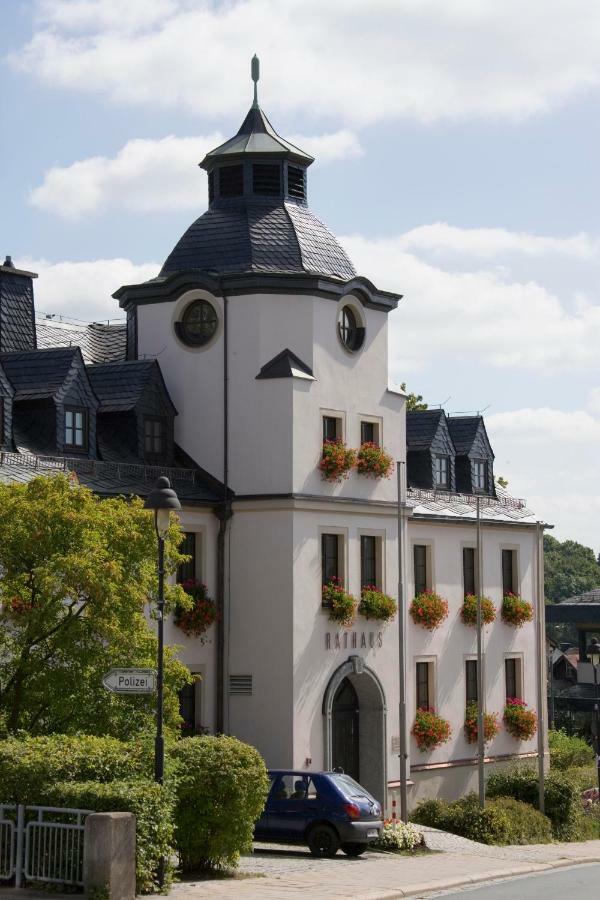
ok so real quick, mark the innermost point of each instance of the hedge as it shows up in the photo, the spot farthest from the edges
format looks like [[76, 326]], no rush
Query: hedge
[[221, 787], [501, 821], [152, 805], [567, 751], [562, 797]]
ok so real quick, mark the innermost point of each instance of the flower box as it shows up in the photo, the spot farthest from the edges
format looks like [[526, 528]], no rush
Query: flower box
[[430, 730], [428, 610], [376, 605], [468, 613], [520, 721], [336, 460], [516, 611], [197, 619], [491, 726], [341, 604], [373, 461]]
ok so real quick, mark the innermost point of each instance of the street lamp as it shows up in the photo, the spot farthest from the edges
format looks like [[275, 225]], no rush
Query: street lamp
[[593, 653], [162, 499]]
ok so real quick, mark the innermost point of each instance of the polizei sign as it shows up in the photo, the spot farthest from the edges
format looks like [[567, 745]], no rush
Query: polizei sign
[[130, 681]]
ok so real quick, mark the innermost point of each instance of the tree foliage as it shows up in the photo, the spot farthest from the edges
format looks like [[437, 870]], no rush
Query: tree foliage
[[77, 576], [569, 569], [414, 402]]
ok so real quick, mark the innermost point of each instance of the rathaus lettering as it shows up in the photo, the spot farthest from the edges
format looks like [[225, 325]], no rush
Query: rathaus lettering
[[353, 640]]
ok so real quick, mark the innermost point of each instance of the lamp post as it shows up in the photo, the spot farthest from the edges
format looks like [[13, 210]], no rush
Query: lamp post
[[162, 500], [593, 653]]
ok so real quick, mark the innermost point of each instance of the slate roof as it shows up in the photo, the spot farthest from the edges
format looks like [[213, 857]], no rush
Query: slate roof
[[16, 308], [258, 236], [119, 385], [503, 507], [256, 136], [421, 428], [98, 342], [36, 374], [286, 365], [587, 597], [463, 431]]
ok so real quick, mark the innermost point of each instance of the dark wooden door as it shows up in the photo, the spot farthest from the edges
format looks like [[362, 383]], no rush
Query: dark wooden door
[[345, 730]]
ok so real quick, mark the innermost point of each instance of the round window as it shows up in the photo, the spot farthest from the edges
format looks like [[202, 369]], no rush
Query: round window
[[198, 323], [351, 332]]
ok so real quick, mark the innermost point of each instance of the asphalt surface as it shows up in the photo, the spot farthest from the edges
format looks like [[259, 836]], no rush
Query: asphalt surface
[[580, 881]]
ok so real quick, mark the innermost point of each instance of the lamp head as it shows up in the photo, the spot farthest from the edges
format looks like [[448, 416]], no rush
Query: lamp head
[[162, 499]]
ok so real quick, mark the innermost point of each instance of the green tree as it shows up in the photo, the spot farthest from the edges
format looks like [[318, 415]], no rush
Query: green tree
[[414, 402], [569, 568], [77, 573]]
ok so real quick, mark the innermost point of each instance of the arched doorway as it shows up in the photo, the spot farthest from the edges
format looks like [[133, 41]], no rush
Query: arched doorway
[[354, 712], [345, 749]]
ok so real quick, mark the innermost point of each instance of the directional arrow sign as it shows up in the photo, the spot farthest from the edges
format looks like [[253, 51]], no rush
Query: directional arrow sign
[[130, 681]]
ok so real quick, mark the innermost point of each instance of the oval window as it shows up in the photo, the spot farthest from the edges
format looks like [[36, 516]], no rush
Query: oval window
[[198, 323], [351, 333]]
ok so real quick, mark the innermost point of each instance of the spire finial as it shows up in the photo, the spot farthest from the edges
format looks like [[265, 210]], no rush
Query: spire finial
[[255, 72]]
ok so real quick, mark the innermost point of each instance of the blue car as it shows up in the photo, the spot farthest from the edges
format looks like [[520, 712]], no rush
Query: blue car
[[325, 810]]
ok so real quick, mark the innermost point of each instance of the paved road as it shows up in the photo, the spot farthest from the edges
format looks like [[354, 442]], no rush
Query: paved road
[[580, 881]]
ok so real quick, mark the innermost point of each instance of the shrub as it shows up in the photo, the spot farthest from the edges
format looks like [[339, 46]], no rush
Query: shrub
[[562, 798], [397, 837], [341, 604], [336, 461], [520, 721], [152, 804], [502, 821], [516, 611], [376, 605], [221, 789], [468, 613], [585, 777], [490, 725], [430, 730], [373, 461], [568, 751], [428, 610], [197, 619]]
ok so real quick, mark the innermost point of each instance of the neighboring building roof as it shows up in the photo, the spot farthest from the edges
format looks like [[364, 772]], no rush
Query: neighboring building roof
[[120, 385], [37, 374], [256, 136], [586, 597], [421, 428], [286, 365], [98, 342], [503, 508]]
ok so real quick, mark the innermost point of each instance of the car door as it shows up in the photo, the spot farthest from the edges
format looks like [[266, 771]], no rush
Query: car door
[[262, 827], [294, 804]]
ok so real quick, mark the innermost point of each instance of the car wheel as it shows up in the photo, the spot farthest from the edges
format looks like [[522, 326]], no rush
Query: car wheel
[[323, 841], [354, 849]]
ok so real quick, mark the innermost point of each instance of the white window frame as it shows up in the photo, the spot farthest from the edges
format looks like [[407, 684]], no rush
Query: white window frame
[[342, 555], [519, 673], [516, 565], [338, 414], [374, 420], [429, 562], [432, 679], [380, 565]]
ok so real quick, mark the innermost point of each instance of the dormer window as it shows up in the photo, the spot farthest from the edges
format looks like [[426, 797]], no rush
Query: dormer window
[[441, 471], [479, 475], [154, 436], [76, 428]]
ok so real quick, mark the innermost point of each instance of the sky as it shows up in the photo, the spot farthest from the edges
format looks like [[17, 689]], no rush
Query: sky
[[457, 157]]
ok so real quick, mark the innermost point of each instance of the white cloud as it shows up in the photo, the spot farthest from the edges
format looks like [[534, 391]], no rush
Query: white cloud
[[82, 290], [593, 401], [154, 175], [343, 60]]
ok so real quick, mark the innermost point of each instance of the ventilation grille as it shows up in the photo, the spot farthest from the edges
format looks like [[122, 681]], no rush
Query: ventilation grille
[[231, 181], [296, 187], [266, 180], [240, 684], [211, 187]]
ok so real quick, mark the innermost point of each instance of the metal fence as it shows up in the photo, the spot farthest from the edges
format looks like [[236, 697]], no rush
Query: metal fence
[[42, 843]]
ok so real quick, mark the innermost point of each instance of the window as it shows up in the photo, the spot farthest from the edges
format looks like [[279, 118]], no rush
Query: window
[[154, 436], [469, 570], [420, 563], [190, 708], [508, 581], [471, 680], [441, 471], [480, 475], [75, 428], [351, 333], [231, 181], [512, 672], [330, 557], [369, 433], [187, 571], [332, 428], [296, 187], [266, 179], [294, 787], [422, 682], [198, 323], [368, 561]]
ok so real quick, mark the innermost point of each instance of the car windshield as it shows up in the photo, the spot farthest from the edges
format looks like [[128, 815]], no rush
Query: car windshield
[[350, 787]]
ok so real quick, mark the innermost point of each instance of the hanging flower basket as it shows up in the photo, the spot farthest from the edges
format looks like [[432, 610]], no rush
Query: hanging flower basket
[[336, 461], [430, 730], [491, 726], [520, 721], [516, 611], [376, 605], [341, 604], [468, 613], [196, 621], [428, 610], [373, 461]]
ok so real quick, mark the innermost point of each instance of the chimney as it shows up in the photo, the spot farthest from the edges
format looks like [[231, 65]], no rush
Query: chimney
[[17, 311]]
